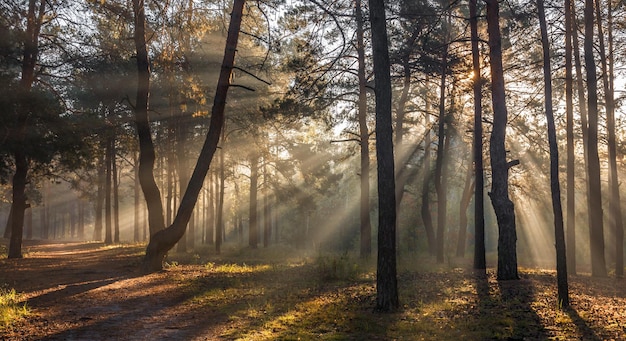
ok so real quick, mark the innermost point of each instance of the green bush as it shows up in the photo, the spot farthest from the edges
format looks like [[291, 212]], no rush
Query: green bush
[[337, 267]]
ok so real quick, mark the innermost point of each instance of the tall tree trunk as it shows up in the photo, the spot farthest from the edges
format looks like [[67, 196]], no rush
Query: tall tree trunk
[[555, 187], [183, 169], [366, 226], [466, 197], [165, 239], [136, 237], [81, 219], [116, 196], [440, 182], [253, 233], [171, 169], [101, 179], [502, 205], [582, 107], [425, 208], [150, 189], [267, 228], [571, 158], [386, 275], [615, 211], [108, 235], [211, 211], [479, 201], [34, 21], [596, 228], [45, 215], [219, 225]]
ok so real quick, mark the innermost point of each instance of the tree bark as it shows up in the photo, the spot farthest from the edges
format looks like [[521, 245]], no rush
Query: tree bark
[[555, 187], [502, 205], [479, 199], [366, 226], [81, 219], [116, 196], [108, 235], [101, 179], [571, 158], [210, 211], [425, 207], [615, 211], [596, 228], [386, 274], [267, 227], [149, 187], [219, 225], [183, 169], [464, 204], [440, 185], [165, 239], [582, 107], [253, 233], [136, 237], [31, 50]]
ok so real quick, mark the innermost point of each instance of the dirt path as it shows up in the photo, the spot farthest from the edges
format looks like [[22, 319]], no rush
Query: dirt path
[[85, 291]]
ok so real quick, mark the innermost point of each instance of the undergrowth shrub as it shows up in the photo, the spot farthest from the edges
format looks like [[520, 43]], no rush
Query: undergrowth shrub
[[11, 310], [331, 267]]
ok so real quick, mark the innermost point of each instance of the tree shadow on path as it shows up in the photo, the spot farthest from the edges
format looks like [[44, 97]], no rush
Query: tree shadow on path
[[505, 307], [583, 328]]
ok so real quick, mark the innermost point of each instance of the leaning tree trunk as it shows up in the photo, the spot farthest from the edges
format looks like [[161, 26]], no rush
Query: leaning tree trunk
[[596, 228], [165, 239], [555, 188], [366, 226], [150, 189], [31, 50], [502, 205], [386, 275]]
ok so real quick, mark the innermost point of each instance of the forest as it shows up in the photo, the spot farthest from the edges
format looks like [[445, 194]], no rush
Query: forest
[[312, 169]]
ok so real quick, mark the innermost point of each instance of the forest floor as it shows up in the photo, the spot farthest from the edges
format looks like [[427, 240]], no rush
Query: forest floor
[[88, 291]]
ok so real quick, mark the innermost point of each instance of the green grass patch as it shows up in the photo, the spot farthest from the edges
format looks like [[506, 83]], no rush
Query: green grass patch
[[11, 309]]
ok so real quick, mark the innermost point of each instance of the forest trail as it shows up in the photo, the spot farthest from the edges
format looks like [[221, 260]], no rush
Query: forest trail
[[89, 291], [86, 291]]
